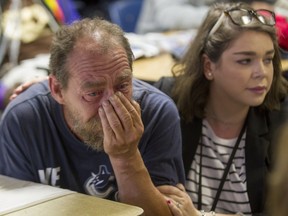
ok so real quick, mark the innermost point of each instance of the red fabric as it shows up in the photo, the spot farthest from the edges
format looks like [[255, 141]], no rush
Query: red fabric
[[282, 31]]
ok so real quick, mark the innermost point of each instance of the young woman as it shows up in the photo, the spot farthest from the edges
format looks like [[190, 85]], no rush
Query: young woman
[[231, 96]]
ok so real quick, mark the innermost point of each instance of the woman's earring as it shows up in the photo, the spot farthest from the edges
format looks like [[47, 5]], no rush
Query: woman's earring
[[209, 76]]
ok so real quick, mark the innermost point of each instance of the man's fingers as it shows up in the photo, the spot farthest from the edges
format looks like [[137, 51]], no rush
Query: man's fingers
[[127, 111], [107, 131], [133, 109], [112, 118]]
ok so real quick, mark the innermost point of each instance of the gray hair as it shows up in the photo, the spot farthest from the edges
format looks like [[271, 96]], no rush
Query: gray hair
[[65, 39]]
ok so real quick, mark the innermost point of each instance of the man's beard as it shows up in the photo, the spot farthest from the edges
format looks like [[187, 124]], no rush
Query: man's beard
[[91, 133]]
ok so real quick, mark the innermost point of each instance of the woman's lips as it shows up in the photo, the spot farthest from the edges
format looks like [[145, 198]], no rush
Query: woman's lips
[[258, 90]]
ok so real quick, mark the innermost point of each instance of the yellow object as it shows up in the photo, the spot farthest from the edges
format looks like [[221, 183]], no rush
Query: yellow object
[[29, 23]]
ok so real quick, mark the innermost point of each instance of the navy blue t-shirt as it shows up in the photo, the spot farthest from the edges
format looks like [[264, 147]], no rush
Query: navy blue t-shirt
[[36, 144]]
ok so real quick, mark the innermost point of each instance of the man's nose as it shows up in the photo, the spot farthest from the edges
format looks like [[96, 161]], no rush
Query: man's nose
[[109, 92]]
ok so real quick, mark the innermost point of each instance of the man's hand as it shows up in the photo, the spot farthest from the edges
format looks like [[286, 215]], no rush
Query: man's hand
[[123, 129], [122, 126]]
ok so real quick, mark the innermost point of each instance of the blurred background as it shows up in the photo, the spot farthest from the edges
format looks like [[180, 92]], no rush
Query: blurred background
[[27, 27]]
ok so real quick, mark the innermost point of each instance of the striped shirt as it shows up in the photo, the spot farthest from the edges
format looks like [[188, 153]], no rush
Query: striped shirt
[[215, 155]]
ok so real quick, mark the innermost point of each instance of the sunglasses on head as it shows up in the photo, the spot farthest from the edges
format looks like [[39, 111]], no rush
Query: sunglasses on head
[[241, 17]]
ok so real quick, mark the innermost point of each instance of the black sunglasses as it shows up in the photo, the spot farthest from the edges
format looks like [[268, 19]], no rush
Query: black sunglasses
[[241, 16]]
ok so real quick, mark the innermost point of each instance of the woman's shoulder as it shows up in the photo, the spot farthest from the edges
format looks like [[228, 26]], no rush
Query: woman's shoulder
[[279, 116]]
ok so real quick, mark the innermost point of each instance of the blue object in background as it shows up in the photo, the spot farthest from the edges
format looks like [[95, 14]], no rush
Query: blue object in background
[[125, 13], [69, 10]]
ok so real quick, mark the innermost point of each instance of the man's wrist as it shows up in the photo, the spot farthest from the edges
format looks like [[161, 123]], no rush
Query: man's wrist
[[131, 164]]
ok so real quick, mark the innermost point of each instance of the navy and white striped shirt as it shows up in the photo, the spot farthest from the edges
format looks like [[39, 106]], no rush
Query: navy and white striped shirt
[[216, 152]]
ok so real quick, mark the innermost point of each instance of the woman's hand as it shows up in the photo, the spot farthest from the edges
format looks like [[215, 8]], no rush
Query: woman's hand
[[178, 200], [22, 87]]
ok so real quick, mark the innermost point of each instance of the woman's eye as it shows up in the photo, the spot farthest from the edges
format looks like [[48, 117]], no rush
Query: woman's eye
[[244, 61], [268, 60]]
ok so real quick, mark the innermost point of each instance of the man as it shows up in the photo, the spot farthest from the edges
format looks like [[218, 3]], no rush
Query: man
[[92, 128]]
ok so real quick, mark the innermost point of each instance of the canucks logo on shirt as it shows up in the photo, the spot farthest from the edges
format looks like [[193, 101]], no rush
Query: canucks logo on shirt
[[101, 184]]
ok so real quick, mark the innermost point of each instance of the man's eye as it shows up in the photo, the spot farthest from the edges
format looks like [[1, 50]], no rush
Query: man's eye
[[123, 86], [92, 96]]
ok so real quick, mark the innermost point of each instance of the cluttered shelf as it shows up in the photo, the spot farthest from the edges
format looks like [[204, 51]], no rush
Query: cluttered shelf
[[154, 53], [153, 58]]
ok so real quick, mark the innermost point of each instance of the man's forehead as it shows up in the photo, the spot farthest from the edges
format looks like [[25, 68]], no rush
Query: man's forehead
[[97, 43], [90, 48], [115, 59], [97, 65], [97, 50], [100, 80]]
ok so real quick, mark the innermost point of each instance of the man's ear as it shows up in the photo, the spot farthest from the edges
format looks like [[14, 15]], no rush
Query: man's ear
[[208, 66], [56, 89]]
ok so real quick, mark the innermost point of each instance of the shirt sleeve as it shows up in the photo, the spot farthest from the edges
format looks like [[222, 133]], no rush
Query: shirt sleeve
[[161, 144], [14, 157]]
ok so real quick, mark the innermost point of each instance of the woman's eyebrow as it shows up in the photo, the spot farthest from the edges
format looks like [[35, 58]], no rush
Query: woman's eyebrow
[[252, 53], [270, 52]]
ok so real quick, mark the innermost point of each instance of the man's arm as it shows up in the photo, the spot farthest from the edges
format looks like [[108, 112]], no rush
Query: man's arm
[[13, 157], [123, 128], [136, 187]]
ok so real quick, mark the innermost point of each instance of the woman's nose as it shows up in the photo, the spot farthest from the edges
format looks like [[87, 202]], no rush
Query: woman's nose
[[259, 70]]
